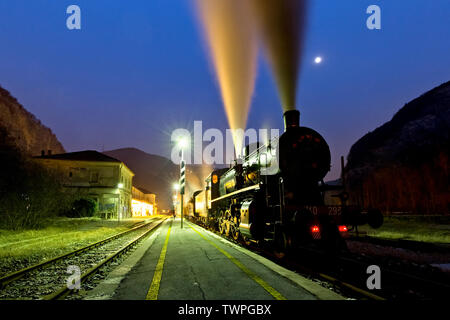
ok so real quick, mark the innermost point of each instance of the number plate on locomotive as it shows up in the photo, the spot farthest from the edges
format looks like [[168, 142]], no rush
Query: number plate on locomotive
[[325, 210]]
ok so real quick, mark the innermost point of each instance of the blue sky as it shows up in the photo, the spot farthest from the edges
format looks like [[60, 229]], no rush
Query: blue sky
[[139, 69]]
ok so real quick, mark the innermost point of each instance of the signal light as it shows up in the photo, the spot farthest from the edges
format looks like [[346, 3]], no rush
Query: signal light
[[343, 229], [315, 232]]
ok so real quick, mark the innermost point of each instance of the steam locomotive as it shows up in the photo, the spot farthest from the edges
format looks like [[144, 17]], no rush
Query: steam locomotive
[[276, 194]]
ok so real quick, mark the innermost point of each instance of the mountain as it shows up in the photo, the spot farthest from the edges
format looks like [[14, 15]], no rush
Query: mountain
[[158, 174], [26, 131], [404, 164]]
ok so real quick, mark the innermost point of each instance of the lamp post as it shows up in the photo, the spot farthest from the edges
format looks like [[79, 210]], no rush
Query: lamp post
[[183, 142], [176, 187]]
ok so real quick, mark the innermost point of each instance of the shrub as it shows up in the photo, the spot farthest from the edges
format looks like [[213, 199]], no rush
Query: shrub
[[83, 207], [29, 192]]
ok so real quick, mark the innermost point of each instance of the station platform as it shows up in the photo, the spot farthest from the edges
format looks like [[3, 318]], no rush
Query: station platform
[[192, 263]]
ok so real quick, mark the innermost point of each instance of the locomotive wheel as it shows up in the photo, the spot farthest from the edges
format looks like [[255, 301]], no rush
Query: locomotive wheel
[[227, 222], [221, 222], [227, 228], [222, 226], [235, 229], [235, 232]]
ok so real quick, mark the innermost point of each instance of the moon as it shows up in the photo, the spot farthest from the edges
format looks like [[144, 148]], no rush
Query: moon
[[318, 60]]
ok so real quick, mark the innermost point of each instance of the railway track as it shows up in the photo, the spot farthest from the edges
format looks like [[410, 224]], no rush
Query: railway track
[[343, 287], [347, 273], [48, 280], [404, 244]]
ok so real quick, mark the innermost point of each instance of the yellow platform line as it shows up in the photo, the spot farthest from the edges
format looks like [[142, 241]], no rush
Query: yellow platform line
[[247, 271], [153, 291]]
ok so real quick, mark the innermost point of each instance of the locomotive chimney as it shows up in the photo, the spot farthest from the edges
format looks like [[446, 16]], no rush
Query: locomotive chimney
[[291, 119]]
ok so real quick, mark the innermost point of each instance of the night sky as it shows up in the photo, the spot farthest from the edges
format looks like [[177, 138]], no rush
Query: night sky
[[139, 69]]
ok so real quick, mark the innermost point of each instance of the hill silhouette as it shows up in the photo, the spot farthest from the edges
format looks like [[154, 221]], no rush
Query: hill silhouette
[[158, 174], [24, 129], [404, 164]]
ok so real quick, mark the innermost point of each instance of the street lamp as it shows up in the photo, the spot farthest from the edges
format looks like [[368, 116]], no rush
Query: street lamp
[[183, 143]]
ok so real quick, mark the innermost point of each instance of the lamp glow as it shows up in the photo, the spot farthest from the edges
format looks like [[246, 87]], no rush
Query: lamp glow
[[183, 143]]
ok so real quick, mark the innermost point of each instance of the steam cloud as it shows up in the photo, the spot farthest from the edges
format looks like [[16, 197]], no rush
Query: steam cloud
[[232, 29], [233, 47], [280, 25]]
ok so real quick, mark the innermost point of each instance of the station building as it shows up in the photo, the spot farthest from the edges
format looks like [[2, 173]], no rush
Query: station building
[[94, 175], [143, 202]]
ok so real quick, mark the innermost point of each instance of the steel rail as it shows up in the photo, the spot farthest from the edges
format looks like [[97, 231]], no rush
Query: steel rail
[[295, 266], [64, 291], [398, 274], [413, 245], [346, 261], [5, 280], [353, 288], [337, 282]]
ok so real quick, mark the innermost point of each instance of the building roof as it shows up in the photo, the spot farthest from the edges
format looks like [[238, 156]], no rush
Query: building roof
[[88, 155], [144, 191]]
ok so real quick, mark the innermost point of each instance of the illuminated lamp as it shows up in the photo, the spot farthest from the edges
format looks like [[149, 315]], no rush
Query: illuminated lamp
[[183, 143]]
